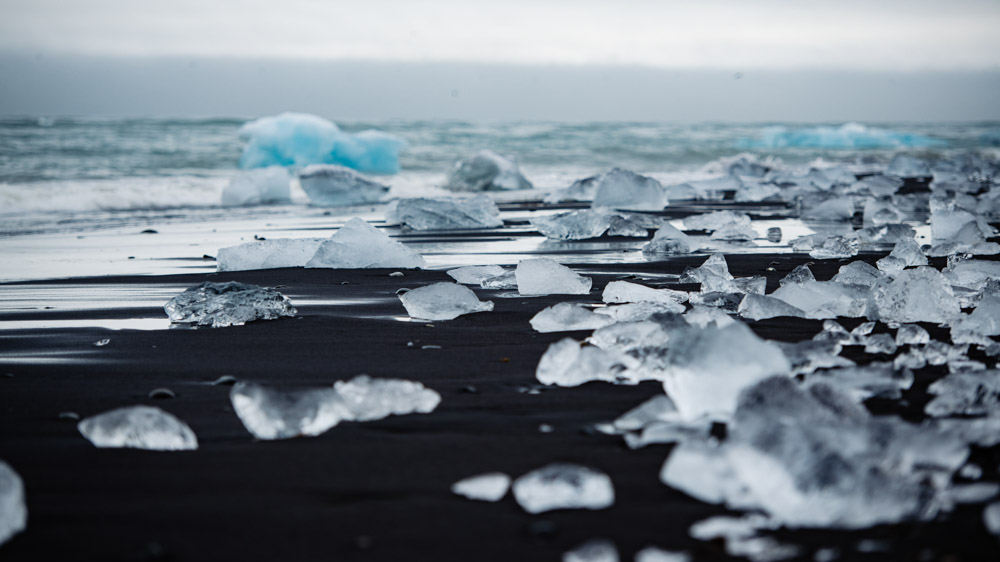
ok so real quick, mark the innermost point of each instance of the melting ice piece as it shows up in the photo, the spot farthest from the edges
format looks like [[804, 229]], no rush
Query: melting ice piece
[[915, 295], [717, 220], [912, 334], [858, 273], [973, 274], [486, 171], [667, 240], [624, 291], [563, 486], [906, 166], [984, 320], [596, 550], [705, 374], [268, 413], [974, 393], [567, 316], [336, 186], [713, 274], [991, 518], [138, 427], [227, 304], [906, 253], [801, 274], [579, 190], [442, 301], [268, 254], [489, 487], [543, 276], [880, 380], [359, 245], [444, 213], [879, 211], [657, 408], [13, 512], [624, 189], [256, 187], [836, 247], [592, 223], [566, 363], [833, 209], [702, 471], [653, 554], [506, 280], [297, 139], [475, 274], [809, 355], [825, 299], [760, 307]]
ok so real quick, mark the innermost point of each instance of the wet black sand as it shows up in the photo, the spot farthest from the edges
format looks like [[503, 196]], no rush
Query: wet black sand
[[376, 490]]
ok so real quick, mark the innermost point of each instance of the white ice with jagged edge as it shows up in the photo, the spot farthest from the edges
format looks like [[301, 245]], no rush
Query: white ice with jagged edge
[[486, 171], [489, 487], [138, 427], [667, 240], [567, 316], [567, 363], [625, 291], [475, 274], [761, 307], [298, 139], [270, 413], [922, 294], [544, 276], [328, 185], [268, 254], [219, 305], [258, 187], [444, 213], [442, 301], [13, 511], [563, 486], [593, 223], [359, 245], [625, 189]]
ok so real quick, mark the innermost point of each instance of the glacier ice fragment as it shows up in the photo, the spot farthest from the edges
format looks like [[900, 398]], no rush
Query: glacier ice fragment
[[475, 274], [489, 487], [563, 486], [336, 186], [596, 550], [13, 511], [227, 304], [138, 427], [624, 189], [257, 187], [566, 316], [268, 254], [359, 245], [442, 301], [444, 213], [486, 171], [544, 276]]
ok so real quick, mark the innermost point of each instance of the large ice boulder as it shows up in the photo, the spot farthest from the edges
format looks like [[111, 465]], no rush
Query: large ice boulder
[[486, 171], [359, 245], [625, 189], [257, 187], [329, 185], [444, 213], [298, 139]]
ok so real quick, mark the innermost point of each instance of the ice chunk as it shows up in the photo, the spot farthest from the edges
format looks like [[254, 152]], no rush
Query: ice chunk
[[705, 375], [475, 274], [667, 240], [336, 186], [912, 334], [836, 247], [754, 192], [566, 316], [597, 550], [879, 185], [991, 518], [359, 245], [906, 166], [825, 299], [543, 276], [268, 413], [296, 139], [506, 280], [760, 307], [973, 274], [801, 274], [592, 223], [879, 211], [486, 171], [984, 320], [256, 187], [624, 291], [444, 213], [717, 220], [834, 209], [566, 363], [442, 301], [915, 295], [579, 190], [563, 486], [713, 274], [624, 189], [881, 380], [227, 304], [858, 273], [885, 234], [742, 537], [809, 355], [657, 408], [974, 393], [13, 512], [653, 554], [489, 487], [138, 427], [879, 343], [268, 254], [906, 253]]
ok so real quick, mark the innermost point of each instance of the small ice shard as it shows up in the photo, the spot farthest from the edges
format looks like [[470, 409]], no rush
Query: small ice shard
[[948, 218], [227, 304], [881, 380], [809, 355], [657, 408], [638, 311], [717, 220], [879, 211], [991, 518], [624, 291], [566, 316], [974, 393], [879, 185], [734, 233], [563, 486], [713, 274], [444, 213], [973, 274], [297, 139], [906, 166], [138, 427], [702, 316], [880, 343], [624, 189], [801, 274], [486, 171], [667, 240], [708, 367], [984, 320], [825, 299], [566, 363], [574, 225], [835, 247], [912, 334], [442, 301], [653, 554], [269, 413], [915, 295], [834, 332], [336, 186], [544, 276], [760, 307], [754, 192], [597, 550], [977, 492], [858, 273], [359, 245], [475, 274], [268, 254], [13, 511], [834, 209], [257, 187], [906, 253], [701, 470], [506, 280], [489, 487]]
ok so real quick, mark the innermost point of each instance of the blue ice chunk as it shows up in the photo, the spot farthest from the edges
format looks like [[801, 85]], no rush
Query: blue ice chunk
[[848, 135], [299, 139]]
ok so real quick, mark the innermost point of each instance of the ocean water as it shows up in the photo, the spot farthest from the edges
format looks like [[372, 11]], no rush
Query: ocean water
[[91, 165]]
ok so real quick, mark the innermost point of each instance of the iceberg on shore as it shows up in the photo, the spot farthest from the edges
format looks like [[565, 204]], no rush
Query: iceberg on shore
[[257, 187], [486, 171], [299, 139], [359, 245], [336, 186], [444, 213]]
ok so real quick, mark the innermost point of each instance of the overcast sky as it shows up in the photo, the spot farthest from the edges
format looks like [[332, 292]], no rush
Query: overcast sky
[[54, 43]]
